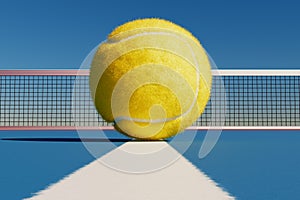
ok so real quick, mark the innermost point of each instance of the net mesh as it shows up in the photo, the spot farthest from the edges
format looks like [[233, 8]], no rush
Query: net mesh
[[46, 100]]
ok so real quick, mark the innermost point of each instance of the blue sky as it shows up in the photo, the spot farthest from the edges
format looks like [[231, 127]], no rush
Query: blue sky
[[237, 34]]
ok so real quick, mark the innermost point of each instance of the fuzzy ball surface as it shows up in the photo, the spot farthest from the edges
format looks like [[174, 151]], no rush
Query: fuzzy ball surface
[[151, 77]]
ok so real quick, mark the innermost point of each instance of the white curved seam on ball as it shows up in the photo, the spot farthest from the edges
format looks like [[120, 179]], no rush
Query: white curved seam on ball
[[153, 28]]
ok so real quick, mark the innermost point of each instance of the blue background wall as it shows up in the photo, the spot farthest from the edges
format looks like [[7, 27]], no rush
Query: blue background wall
[[237, 34]]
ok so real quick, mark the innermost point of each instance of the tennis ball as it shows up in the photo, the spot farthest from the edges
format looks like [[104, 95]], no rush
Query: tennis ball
[[151, 78]]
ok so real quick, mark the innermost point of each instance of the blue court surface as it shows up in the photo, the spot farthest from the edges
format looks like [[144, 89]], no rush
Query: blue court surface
[[247, 164]]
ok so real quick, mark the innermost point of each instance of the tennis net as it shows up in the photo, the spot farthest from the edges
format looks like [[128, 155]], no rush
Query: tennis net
[[42, 99]]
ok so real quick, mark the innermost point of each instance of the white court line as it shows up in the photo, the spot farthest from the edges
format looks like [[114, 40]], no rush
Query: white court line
[[181, 180]]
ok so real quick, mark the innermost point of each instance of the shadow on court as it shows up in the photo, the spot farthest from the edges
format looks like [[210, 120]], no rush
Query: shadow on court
[[67, 139]]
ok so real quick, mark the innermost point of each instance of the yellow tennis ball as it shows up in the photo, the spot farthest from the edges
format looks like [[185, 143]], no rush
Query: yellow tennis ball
[[151, 78]]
